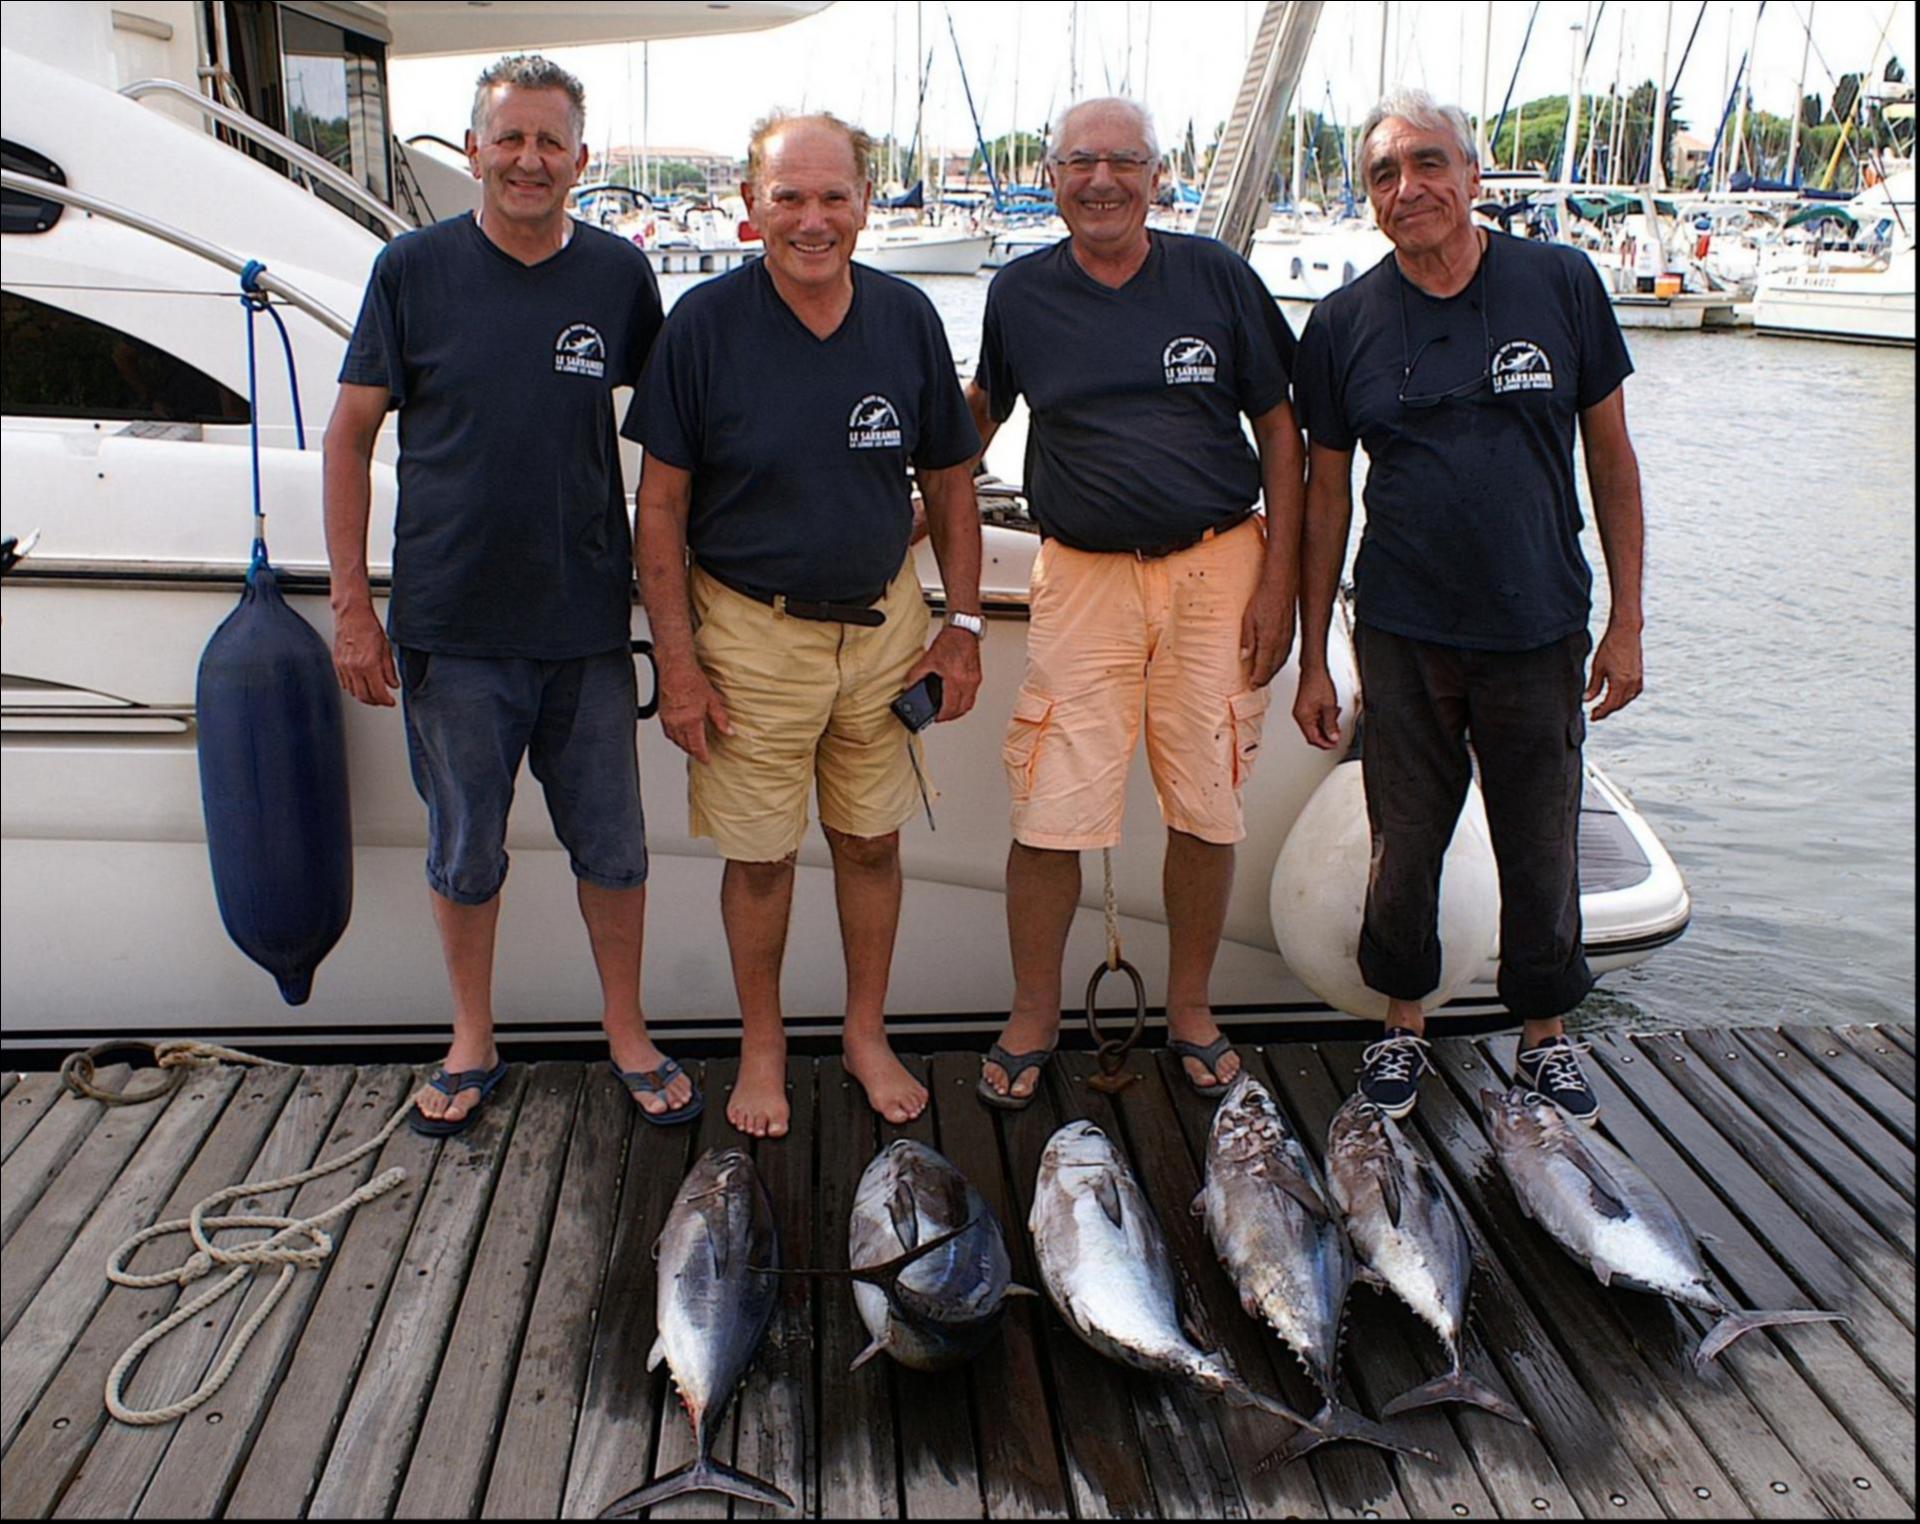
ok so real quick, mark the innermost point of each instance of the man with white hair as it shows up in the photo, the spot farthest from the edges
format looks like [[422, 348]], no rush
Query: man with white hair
[[1463, 362], [1157, 588], [500, 338]]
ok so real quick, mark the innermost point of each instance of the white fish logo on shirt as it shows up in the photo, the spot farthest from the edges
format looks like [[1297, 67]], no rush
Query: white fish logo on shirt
[[1189, 361], [580, 351], [873, 424], [1521, 366]]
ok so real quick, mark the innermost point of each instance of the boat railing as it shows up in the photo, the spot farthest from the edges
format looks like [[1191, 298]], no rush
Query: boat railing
[[268, 282], [317, 170]]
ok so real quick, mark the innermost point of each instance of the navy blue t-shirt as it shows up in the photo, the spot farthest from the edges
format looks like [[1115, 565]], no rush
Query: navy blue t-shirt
[[1472, 533], [1135, 394], [799, 445], [512, 536]]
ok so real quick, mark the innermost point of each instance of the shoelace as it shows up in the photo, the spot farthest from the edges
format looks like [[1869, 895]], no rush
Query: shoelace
[[1398, 1058], [1559, 1065]]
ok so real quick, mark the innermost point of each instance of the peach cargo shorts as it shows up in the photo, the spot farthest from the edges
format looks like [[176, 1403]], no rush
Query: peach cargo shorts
[[807, 700], [1113, 636]]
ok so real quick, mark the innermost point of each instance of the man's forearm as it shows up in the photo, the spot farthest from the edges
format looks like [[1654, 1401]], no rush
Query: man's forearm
[[953, 522], [1284, 495], [1323, 548], [346, 490], [660, 557], [983, 421], [1617, 513]]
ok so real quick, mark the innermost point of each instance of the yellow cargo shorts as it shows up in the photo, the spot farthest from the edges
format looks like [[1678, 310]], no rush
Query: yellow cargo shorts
[[807, 700], [1114, 637]]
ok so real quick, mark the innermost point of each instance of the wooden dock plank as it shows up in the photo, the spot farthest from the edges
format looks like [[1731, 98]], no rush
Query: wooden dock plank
[[1186, 1454], [1380, 1364], [1832, 1169], [1020, 1468], [859, 1439], [529, 1467], [1682, 1154], [193, 1480], [446, 1476], [939, 1466], [1892, 1062], [261, 1135], [26, 1103], [1754, 1411], [368, 1460], [1866, 1084], [674, 1444], [1877, 1148], [1901, 1036], [47, 1148], [774, 1439], [1091, 1413], [278, 1474], [613, 1440], [76, 1284]]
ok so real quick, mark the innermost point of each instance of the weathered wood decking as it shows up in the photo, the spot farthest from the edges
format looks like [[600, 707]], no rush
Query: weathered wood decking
[[476, 1344]]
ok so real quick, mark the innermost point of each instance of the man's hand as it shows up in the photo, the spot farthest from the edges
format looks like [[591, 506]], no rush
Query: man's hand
[[362, 659], [955, 655], [1316, 710], [1616, 670], [1266, 632], [688, 704]]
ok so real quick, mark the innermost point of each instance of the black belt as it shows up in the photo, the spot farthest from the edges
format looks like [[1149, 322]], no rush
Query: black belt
[[853, 611], [1171, 547]]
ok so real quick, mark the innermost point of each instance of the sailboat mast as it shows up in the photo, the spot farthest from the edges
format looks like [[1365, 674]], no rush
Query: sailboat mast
[[1299, 151], [1569, 158], [920, 95], [1486, 67], [1792, 176], [1386, 8], [1657, 175], [893, 106], [1743, 85]]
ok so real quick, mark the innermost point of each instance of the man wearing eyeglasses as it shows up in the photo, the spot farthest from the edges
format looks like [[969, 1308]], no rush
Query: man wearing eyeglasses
[[1463, 363], [1158, 589]]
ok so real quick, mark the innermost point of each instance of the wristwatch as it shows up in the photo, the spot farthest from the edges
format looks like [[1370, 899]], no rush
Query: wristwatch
[[973, 624]]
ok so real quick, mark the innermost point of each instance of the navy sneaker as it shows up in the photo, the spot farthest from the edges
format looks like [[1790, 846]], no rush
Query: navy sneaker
[[1553, 1070], [1390, 1071]]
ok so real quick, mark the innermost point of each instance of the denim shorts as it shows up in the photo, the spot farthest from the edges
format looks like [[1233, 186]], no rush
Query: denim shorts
[[470, 720]]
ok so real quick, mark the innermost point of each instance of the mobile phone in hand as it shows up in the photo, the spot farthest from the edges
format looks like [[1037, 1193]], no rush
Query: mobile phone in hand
[[919, 706]]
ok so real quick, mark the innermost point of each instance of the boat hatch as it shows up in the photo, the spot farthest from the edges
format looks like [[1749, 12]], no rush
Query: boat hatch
[[20, 212], [1610, 857]]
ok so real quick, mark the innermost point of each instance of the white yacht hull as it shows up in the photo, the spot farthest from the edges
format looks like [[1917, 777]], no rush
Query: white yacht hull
[[1858, 306], [937, 253]]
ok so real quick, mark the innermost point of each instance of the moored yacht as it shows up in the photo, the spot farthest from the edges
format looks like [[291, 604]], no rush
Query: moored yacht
[[130, 208]]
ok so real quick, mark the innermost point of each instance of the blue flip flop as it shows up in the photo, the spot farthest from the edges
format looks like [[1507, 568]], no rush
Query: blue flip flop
[[654, 1082], [1208, 1053], [450, 1085]]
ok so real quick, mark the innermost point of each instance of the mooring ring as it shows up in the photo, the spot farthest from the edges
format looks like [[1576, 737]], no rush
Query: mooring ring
[[1113, 1052], [78, 1069]]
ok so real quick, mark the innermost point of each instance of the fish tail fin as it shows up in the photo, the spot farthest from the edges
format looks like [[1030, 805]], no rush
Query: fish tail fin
[[1335, 1421], [1735, 1324], [878, 1346], [1456, 1386], [702, 1475]]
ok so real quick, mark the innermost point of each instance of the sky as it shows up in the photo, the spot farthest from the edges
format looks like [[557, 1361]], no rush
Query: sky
[[1185, 59]]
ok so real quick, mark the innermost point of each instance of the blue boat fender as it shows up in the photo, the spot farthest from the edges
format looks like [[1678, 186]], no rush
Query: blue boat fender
[[273, 785]]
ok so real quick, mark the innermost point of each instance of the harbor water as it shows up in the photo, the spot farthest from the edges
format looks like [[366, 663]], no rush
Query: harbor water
[[1773, 748]]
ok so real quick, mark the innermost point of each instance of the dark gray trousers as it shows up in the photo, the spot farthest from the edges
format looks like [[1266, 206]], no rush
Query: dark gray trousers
[[1522, 711]]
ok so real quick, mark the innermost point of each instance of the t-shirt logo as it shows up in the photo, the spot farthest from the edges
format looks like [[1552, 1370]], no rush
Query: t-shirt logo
[[580, 351], [1521, 366], [1189, 362], [873, 425]]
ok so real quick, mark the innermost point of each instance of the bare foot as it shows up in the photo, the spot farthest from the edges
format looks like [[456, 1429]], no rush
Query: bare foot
[[1196, 1025], [758, 1105], [440, 1106], [637, 1052], [1022, 1034], [891, 1091]]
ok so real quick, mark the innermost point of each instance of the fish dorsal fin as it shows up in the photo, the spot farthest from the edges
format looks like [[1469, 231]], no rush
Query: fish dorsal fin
[[1106, 1191], [1601, 1186], [905, 1214], [878, 1346]]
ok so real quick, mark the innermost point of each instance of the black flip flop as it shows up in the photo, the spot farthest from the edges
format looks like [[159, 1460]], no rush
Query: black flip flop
[[1014, 1065], [654, 1082], [450, 1085], [1209, 1054]]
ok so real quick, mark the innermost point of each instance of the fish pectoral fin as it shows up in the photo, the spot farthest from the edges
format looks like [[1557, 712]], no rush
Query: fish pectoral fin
[[716, 1237], [1604, 1190], [1301, 1189], [905, 1215], [1106, 1190], [1018, 1290], [657, 1353], [878, 1346], [1199, 1205], [1602, 1272], [1390, 1197]]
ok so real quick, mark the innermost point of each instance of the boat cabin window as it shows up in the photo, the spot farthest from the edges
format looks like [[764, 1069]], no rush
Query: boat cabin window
[[62, 365], [19, 211]]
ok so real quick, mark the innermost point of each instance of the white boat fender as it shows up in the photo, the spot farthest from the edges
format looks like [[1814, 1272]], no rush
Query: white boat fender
[[1319, 891]]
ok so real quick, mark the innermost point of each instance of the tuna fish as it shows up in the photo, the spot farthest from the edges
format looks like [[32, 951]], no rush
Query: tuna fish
[[930, 1296], [715, 1299], [1600, 1208], [1104, 1263], [1407, 1237], [1285, 1250]]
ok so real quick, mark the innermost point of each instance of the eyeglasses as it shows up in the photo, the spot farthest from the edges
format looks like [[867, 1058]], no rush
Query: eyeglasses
[[1119, 163], [1412, 356]]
